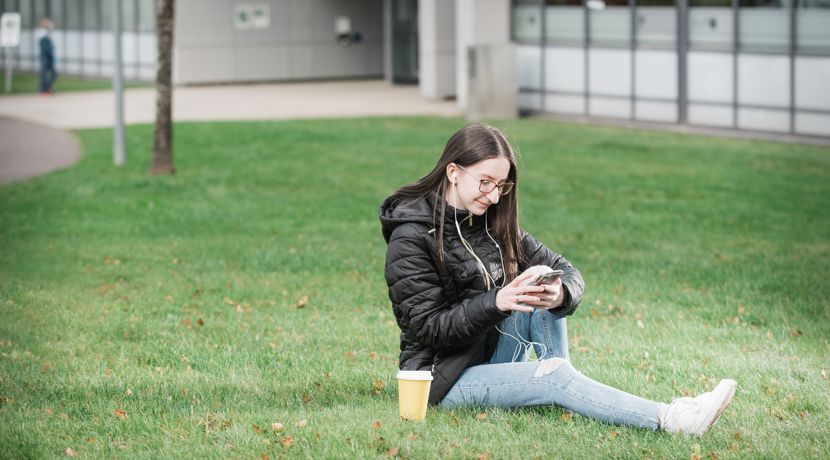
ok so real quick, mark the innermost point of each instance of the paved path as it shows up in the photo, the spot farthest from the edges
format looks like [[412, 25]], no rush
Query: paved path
[[31, 145], [30, 149], [93, 109]]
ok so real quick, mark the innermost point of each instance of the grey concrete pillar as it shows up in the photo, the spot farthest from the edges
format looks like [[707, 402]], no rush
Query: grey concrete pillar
[[436, 48], [387, 40], [478, 22]]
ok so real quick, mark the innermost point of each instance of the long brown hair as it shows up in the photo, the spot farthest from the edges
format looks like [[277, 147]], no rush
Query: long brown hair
[[469, 145]]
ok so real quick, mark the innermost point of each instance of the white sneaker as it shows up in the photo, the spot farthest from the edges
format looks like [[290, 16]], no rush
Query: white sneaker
[[696, 415]]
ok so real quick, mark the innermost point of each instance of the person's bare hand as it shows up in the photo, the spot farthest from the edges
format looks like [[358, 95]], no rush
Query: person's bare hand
[[554, 295], [519, 296]]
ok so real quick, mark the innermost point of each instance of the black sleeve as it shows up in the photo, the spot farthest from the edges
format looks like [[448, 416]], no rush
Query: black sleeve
[[415, 288], [539, 254]]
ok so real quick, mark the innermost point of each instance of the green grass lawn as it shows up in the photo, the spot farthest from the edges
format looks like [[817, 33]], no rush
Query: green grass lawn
[[27, 83], [167, 317]]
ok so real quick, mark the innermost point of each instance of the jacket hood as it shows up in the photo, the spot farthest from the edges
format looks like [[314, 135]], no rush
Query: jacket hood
[[395, 212]]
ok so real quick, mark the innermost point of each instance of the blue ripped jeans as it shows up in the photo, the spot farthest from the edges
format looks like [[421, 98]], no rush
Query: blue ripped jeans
[[505, 383]]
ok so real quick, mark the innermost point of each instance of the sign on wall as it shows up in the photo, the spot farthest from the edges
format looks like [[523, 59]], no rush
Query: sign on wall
[[10, 29], [252, 16]]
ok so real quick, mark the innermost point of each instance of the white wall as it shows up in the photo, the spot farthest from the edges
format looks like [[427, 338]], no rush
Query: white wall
[[477, 22], [299, 44], [436, 48]]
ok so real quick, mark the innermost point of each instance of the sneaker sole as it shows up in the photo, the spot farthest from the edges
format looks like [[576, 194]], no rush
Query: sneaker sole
[[725, 390]]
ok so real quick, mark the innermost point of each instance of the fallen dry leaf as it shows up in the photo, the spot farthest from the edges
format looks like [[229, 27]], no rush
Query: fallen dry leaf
[[695, 456], [287, 441], [378, 386], [187, 323], [613, 433], [411, 436], [200, 322], [373, 355], [256, 428], [481, 416], [70, 452], [393, 452], [119, 444], [120, 413], [264, 456], [277, 426], [567, 416], [302, 423], [302, 302], [376, 425]]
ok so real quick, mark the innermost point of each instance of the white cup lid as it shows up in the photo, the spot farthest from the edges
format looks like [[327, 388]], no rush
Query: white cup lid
[[415, 375]]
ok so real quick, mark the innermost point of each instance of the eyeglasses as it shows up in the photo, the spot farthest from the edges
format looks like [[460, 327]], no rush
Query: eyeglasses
[[487, 186]]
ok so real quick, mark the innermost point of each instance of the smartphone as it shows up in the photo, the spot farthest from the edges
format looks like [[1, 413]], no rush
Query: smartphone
[[545, 277]]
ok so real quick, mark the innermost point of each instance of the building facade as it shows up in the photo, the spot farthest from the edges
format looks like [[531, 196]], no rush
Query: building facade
[[743, 64], [83, 36]]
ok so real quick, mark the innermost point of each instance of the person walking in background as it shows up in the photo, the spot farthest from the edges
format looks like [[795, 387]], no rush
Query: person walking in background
[[48, 75]]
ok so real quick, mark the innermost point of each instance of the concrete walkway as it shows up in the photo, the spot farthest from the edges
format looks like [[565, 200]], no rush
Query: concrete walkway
[[30, 149], [95, 109], [31, 143]]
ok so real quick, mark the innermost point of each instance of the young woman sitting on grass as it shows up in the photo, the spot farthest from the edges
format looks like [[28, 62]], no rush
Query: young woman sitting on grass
[[468, 309]]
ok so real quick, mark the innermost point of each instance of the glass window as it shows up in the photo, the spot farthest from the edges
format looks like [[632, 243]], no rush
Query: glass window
[[611, 24], [764, 25], [39, 11], [91, 11], [106, 14], [146, 15], [27, 21], [527, 21], [763, 3], [57, 13], [127, 15], [656, 23], [812, 33], [564, 22], [73, 17], [711, 25]]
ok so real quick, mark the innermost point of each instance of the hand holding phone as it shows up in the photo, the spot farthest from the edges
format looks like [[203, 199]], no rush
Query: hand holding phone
[[546, 277]]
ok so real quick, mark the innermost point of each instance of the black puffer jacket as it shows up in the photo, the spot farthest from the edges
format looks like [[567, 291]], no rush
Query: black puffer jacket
[[447, 319]]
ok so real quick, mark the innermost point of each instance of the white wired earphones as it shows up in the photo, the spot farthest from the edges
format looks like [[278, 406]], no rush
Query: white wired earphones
[[522, 344]]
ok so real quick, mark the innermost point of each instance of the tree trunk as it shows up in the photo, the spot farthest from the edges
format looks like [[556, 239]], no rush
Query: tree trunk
[[163, 143]]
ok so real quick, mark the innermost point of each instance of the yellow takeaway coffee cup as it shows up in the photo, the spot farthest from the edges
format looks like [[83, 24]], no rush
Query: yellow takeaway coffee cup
[[413, 394]]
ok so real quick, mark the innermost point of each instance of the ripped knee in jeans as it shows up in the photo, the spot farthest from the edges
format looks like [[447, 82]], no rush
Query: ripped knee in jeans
[[547, 366]]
